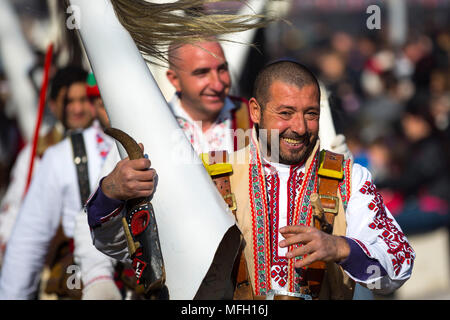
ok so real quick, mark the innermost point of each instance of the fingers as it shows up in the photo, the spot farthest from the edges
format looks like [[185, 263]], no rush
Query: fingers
[[142, 176], [300, 238], [294, 229], [130, 179], [299, 251], [143, 190], [306, 261], [140, 164], [289, 232], [307, 241]]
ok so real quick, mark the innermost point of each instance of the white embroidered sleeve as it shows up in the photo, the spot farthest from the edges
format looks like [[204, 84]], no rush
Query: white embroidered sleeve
[[375, 230]]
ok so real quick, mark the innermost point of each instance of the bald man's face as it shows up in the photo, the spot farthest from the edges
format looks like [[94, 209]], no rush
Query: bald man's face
[[294, 112], [201, 77]]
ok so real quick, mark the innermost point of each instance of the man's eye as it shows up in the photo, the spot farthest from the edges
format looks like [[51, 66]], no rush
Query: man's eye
[[285, 114], [312, 115], [200, 72]]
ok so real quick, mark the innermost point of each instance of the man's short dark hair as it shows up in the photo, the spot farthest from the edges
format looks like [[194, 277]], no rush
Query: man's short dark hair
[[64, 77], [289, 72]]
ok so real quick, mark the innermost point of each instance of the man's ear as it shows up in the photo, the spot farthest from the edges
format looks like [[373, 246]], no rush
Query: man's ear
[[255, 110], [174, 80]]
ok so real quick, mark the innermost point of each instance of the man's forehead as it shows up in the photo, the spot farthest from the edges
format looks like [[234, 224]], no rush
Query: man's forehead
[[78, 88], [189, 54], [282, 89]]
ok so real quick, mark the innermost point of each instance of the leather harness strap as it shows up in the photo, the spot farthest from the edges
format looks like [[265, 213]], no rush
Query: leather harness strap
[[60, 253], [330, 173], [81, 163], [220, 171], [240, 120]]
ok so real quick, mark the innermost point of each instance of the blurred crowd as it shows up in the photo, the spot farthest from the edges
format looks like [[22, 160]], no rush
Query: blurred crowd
[[392, 102]]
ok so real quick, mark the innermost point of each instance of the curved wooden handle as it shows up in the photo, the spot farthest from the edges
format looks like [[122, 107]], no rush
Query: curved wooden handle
[[131, 146], [134, 152]]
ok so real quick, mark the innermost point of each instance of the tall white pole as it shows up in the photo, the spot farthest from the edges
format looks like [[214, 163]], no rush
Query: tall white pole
[[398, 21], [191, 215], [17, 60], [327, 131], [236, 51]]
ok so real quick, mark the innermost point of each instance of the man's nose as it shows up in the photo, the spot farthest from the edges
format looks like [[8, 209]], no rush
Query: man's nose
[[298, 124], [77, 107], [217, 82]]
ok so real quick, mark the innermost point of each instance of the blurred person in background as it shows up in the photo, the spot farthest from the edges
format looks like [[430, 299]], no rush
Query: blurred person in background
[[382, 106], [44, 226], [423, 181], [54, 133]]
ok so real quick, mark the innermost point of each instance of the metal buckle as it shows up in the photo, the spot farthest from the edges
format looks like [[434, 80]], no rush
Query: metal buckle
[[233, 199], [272, 293], [336, 203]]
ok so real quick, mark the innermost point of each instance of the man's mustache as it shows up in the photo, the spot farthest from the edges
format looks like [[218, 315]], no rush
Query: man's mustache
[[305, 138]]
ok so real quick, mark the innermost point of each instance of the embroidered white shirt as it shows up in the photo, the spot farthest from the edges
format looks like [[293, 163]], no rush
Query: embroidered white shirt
[[218, 137], [284, 172], [53, 197]]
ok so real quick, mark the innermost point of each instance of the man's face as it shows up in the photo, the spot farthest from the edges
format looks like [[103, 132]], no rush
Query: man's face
[[79, 110], [201, 76], [295, 113]]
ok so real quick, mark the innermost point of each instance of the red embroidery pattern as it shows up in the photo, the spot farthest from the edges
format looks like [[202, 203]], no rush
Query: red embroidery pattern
[[294, 185], [399, 248], [303, 215], [279, 274], [344, 185], [260, 222], [273, 194], [363, 247], [279, 264], [214, 137], [102, 146]]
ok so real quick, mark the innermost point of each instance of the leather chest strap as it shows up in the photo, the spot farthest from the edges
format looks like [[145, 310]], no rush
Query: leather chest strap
[[80, 160], [330, 174], [216, 163]]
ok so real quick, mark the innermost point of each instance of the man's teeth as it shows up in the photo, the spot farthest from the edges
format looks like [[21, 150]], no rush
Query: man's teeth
[[292, 141]]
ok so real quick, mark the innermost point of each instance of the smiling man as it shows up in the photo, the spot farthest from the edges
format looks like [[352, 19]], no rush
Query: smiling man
[[298, 131], [286, 253], [292, 249], [201, 105]]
